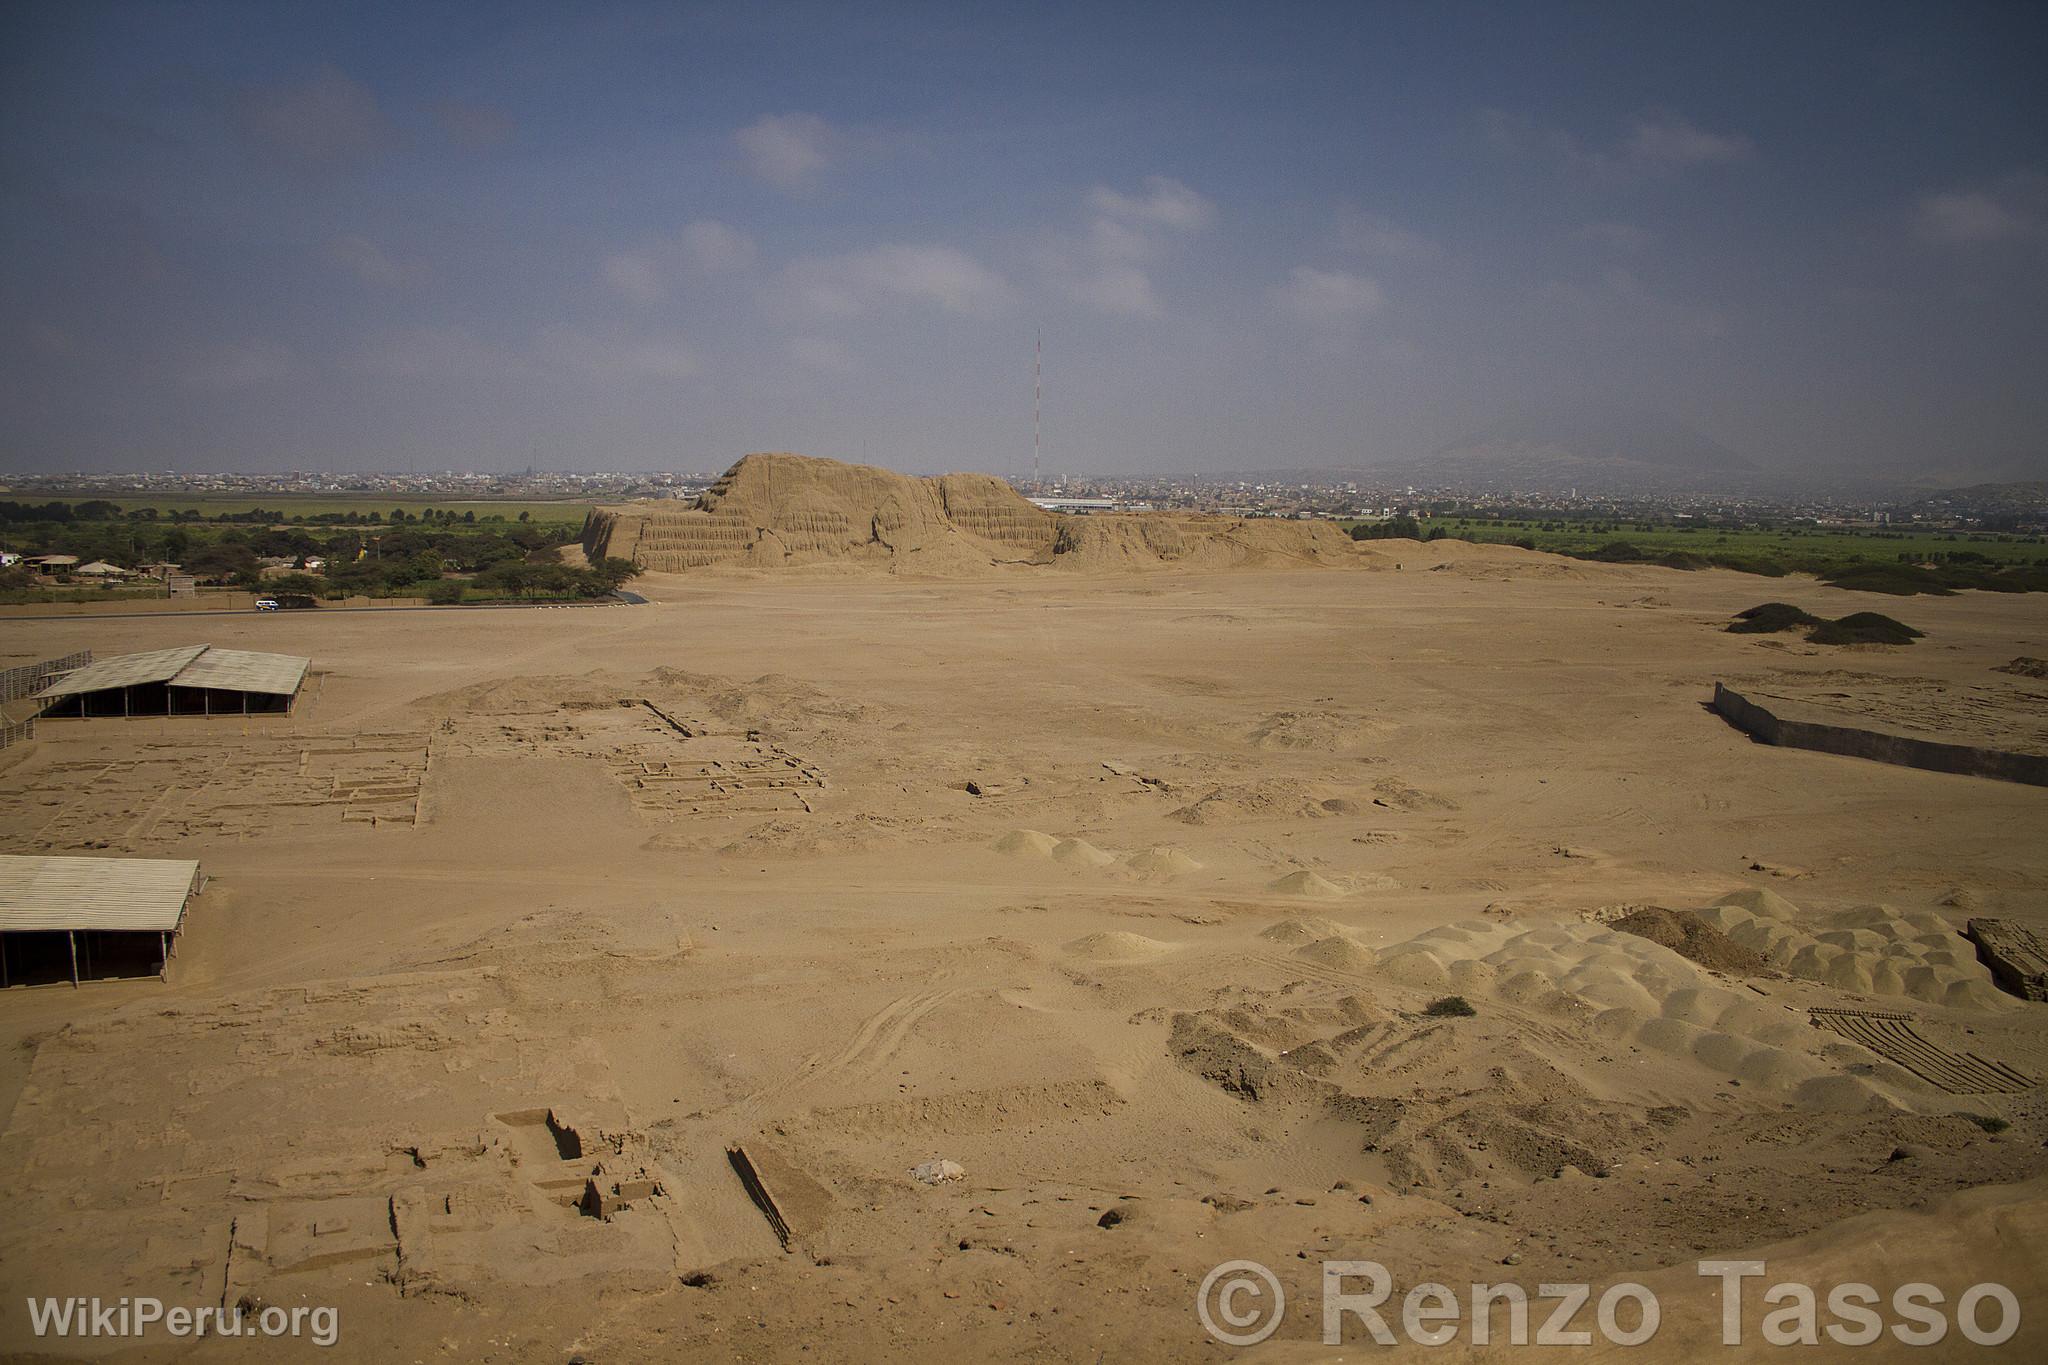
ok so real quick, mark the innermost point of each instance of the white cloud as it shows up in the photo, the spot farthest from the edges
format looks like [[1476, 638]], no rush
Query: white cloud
[[325, 122], [1620, 297], [1668, 140], [1106, 267], [1328, 298], [1656, 143], [636, 277], [940, 276], [1373, 234], [1165, 203], [1974, 217], [789, 150], [645, 274], [438, 354], [822, 353], [226, 368], [717, 248], [1618, 236], [370, 263], [452, 355], [578, 353], [473, 127]]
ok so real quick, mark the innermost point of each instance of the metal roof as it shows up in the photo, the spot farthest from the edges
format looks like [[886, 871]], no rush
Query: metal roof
[[142, 894], [240, 670], [124, 670], [235, 670]]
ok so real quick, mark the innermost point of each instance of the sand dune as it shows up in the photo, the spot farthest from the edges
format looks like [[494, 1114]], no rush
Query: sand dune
[[1303, 882], [1870, 950]]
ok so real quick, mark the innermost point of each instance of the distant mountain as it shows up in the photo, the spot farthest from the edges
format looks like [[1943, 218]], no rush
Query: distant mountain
[[1585, 446]]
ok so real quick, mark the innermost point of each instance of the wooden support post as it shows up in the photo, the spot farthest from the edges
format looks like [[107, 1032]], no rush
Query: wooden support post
[[71, 936], [163, 960]]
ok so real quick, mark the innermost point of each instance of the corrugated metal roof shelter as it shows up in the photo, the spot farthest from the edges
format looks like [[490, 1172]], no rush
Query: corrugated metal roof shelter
[[240, 670], [195, 680], [96, 917], [124, 670]]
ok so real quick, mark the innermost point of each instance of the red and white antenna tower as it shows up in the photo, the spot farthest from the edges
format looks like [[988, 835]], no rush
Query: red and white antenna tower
[[1037, 393]]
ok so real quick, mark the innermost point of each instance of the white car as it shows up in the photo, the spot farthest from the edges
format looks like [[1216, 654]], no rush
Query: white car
[[266, 604]]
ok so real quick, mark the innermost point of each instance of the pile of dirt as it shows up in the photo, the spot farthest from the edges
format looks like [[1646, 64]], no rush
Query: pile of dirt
[[781, 510], [1858, 628], [1770, 618], [2024, 667], [1864, 628], [1690, 937]]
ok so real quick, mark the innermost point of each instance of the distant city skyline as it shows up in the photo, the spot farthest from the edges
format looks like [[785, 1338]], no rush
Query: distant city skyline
[[467, 236]]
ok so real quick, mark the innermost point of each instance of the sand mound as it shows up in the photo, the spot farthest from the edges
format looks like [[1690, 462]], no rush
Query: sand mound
[[1631, 991], [1871, 950], [1272, 799], [1340, 951], [1027, 843], [1305, 883], [1322, 731], [1081, 853], [1163, 860], [1690, 937], [1118, 946], [780, 510], [1296, 933]]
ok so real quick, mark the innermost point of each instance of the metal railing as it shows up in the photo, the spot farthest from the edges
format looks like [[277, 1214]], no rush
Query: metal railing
[[28, 679]]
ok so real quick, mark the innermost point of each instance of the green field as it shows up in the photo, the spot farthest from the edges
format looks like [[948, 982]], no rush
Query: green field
[[1797, 549], [309, 505]]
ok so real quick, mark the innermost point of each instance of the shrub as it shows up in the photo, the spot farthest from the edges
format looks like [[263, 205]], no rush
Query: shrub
[[1450, 1007]]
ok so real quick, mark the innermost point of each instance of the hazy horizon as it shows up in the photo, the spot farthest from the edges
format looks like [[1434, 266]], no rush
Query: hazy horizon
[[628, 237]]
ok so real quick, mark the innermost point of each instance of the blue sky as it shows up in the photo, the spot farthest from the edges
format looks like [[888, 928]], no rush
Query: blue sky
[[628, 236]]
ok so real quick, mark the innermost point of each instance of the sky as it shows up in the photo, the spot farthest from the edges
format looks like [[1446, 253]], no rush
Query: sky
[[636, 237]]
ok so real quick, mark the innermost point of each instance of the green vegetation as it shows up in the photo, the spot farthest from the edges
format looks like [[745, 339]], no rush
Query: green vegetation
[[1869, 559], [1942, 580], [1990, 1123], [1450, 1007], [392, 552], [320, 508], [1857, 628]]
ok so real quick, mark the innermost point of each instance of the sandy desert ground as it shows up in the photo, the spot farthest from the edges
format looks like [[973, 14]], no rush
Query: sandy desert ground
[[524, 903]]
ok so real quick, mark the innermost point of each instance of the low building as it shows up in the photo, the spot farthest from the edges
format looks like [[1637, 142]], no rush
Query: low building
[[192, 680], [77, 919], [99, 568]]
